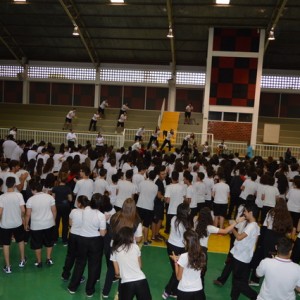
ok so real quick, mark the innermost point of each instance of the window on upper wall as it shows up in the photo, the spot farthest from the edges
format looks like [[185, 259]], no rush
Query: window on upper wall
[[245, 117], [215, 116], [228, 116]]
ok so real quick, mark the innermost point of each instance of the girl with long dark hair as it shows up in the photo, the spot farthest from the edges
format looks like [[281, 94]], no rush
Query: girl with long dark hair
[[126, 257], [179, 224], [188, 268]]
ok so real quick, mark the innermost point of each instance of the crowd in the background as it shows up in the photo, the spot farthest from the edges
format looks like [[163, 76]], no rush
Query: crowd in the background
[[112, 197]]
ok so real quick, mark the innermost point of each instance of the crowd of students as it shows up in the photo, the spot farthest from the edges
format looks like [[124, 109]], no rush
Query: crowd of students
[[111, 198]]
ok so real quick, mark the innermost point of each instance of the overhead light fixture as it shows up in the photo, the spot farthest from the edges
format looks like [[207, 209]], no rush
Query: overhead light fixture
[[19, 1], [170, 33], [117, 1], [76, 31], [271, 36], [222, 2]]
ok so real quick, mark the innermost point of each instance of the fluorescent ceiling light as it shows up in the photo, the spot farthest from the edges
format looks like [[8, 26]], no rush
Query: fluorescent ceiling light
[[19, 1], [117, 1], [222, 2]]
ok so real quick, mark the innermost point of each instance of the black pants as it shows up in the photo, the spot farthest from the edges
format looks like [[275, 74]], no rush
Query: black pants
[[264, 212], [296, 252], [140, 289], [63, 212], [110, 273], [165, 143], [152, 138], [240, 277], [185, 145], [92, 124], [197, 295], [90, 251], [168, 222], [71, 255], [171, 287]]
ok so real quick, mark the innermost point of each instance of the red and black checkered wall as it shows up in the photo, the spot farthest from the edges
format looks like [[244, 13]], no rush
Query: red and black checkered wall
[[233, 81]]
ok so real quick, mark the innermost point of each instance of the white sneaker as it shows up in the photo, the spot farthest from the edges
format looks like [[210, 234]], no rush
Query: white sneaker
[[7, 269]]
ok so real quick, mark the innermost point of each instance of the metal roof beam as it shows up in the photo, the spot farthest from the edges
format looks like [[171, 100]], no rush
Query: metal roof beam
[[10, 43], [74, 15], [172, 40]]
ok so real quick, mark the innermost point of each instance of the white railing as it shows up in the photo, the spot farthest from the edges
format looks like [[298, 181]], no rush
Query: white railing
[[262, 150], [58, 137], [129, 135]]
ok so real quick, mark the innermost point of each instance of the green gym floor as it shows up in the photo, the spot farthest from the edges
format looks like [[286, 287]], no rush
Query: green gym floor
[[31, 283]]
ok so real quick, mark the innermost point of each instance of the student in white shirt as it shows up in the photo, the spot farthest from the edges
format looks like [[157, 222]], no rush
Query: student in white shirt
[[69, 117], [75, 221], [147, 191], [139, 134], [93, 122], [167, 140], [123, 109], [175, 245], [91, 247], [102, 107], [187, 114], [84, 186], [174, 195], [41, 212], [242, 252], [153, 137], [100, 184], [188, 268], [281, 275], [71, 139], [121, 121], [126, 258], [220, 193], [249, 187], [12, 211]]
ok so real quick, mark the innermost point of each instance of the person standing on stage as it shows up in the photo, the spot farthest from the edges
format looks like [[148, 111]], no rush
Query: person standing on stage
[[101, 108], [93, 122], [71, 139], [121, 121], [69, 117], [167, 140], [123, 109], [187, 114], [185, 143], [99, 140], [139, 134], [153, 137]]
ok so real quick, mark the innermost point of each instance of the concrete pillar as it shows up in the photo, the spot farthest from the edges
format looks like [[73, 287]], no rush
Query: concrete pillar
[[172, 94], [24, 77], [97, 89]]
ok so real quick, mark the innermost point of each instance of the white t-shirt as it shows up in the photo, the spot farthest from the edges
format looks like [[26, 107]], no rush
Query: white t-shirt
[[103, 104], [11, 203], [199, 191], [92, 221], [293, 197], [84, 187], [176, 234], [71, 136], [76, 218], [176, 193], [41, 214], [270, 192], [8, 148], [140, 132], [190, 194], [126, 190], [99, 141], [31, 154], [100, 186], [281, 278], [260, 191], [58, 159], [209, 184], [147, 192], [191, 278], [71, 114], [17, 153], [210, 229], [113, 188], [110, 171], [243, 249], [128, 261], [137, 179], [5, 176], [19, 173], [221, 191], [250, 188]]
